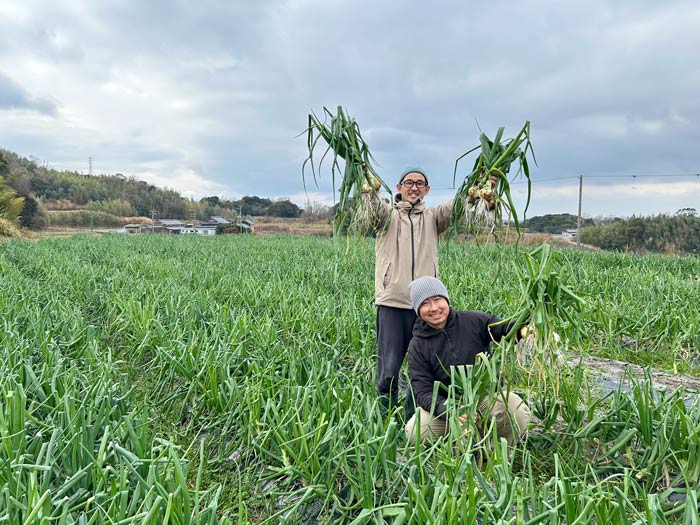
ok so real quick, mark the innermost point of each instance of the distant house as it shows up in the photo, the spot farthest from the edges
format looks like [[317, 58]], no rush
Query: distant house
[[169, 223], [177, 227], [570, 234], [213, 222], [133, 229], [205, 230], [170, 226], [244, 226]]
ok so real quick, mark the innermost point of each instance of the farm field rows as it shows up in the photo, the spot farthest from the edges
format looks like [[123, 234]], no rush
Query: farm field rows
[[184, 380]]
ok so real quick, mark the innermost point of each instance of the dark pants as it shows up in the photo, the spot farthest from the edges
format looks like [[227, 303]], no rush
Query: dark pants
[[394, 330]]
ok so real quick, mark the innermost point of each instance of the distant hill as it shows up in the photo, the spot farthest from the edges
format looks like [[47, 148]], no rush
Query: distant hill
[[555, 223], [115, 195]]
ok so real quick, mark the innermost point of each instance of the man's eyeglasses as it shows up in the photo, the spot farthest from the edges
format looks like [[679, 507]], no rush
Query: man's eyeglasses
[[417, 183]]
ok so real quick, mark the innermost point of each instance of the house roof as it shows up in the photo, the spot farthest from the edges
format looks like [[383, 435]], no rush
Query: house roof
[[170, 222]]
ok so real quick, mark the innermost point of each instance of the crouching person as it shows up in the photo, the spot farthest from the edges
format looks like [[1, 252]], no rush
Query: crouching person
[[444, 337]]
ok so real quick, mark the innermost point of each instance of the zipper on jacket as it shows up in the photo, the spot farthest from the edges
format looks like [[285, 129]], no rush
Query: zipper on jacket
[[413, 248], [449, 341]]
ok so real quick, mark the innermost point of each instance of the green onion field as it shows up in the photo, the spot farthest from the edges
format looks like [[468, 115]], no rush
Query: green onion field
[[193, 380]]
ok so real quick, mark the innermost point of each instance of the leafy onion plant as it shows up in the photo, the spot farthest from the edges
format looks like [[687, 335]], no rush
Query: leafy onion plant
[[343, 140], [486, 203]]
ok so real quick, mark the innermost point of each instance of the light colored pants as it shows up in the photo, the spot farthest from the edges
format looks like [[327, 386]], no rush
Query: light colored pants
[[433, 427]]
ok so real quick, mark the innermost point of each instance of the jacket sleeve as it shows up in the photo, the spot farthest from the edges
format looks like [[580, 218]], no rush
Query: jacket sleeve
[[422, 378], [376, 211], [443, 213]]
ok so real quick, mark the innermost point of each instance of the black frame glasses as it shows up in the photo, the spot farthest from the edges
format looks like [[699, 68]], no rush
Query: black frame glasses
[[417, 183]]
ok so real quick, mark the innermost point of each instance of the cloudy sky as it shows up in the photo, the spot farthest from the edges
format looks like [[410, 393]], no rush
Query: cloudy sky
[[209, 98]]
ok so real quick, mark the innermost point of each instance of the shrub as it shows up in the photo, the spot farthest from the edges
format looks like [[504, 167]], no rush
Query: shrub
[[85, 218]]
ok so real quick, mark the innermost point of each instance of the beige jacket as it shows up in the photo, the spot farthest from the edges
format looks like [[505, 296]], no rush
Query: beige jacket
[[407, 245]]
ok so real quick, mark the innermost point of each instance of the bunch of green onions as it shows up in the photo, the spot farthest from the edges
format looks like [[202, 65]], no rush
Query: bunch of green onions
[[545, 302], [344, 140], [486, 202]]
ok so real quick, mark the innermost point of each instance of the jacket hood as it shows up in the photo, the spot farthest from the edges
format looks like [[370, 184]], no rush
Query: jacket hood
[[425, 331], [400, 204]]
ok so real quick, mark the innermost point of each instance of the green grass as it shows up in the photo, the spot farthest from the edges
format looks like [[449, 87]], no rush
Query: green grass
[[231, 379]]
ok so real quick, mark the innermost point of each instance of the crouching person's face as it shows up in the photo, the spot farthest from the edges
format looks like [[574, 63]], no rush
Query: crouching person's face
[[434, 311]]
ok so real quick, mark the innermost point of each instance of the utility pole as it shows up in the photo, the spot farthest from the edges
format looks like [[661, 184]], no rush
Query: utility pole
[[578, 222]]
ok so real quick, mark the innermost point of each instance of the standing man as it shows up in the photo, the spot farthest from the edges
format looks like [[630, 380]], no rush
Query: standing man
[[406, 248]]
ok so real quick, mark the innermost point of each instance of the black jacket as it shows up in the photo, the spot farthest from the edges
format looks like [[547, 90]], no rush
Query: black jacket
[[432, 352]]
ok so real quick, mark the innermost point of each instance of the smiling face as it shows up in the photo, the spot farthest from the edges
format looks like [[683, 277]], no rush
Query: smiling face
[[434, 311], [413, 187]]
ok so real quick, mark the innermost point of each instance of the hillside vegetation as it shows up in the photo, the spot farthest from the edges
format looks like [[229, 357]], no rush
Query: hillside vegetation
[[104, 199], [679, 234], [10, 204], [555, 223]]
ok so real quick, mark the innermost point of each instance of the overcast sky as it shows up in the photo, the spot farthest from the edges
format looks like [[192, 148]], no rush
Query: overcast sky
[[209, 97]]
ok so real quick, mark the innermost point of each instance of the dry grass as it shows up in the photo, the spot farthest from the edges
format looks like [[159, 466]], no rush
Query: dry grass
[[137, 220], [8, 229], [302, 226], [526, 239]]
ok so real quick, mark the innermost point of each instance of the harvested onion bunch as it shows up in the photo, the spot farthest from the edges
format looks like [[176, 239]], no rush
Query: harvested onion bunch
[[485, 202], [343, 138], [546, 301]]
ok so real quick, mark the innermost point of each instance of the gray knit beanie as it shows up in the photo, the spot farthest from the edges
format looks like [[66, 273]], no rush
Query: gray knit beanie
[[413, 169], [424, 288]]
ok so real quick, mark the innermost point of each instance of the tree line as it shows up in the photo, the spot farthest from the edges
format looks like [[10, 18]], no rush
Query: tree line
[[11, 205], [34, 196], [555, 223], [679, 234], [254, 206], [99, 199]]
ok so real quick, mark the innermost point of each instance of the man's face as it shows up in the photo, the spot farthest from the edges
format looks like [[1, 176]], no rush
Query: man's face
[[434, 311], [413, 187]]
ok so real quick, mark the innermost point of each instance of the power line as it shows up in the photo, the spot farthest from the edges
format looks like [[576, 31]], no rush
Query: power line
[[641, 175], [519, 182], [598, 176]]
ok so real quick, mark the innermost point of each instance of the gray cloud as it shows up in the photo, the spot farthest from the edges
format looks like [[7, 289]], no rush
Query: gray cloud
[[222, 89], [14, 96]]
